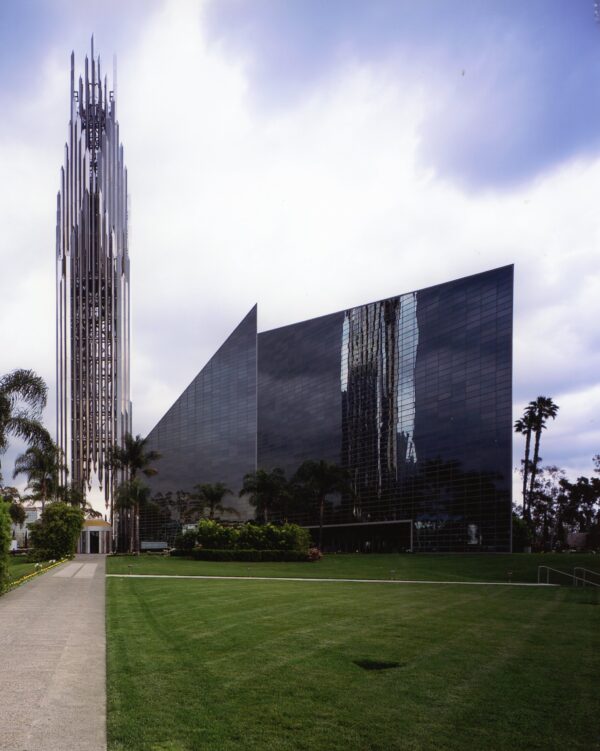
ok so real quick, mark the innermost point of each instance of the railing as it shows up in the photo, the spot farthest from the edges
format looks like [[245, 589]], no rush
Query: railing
[[585, 578], [557, 571]]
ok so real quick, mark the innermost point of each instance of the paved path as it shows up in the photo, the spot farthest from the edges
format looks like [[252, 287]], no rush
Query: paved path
[[53, 660], [315, 579]]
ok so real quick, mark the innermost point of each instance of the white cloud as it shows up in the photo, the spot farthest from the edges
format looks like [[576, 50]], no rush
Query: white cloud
[[318, 207]]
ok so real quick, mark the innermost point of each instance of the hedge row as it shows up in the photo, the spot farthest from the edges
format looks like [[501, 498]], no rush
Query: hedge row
[[212, 535], [5, 538], [208, 554]]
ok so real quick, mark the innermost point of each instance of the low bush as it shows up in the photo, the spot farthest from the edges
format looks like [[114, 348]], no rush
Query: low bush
[[38, 555], [247, 555], [5, 538], [211, 534], [215, 536], [180, 552], [186, 540]]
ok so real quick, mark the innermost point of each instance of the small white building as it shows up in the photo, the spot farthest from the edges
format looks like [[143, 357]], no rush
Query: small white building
[[95, 537]]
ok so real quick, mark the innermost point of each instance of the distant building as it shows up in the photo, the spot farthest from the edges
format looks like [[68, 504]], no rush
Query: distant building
[[412, 395]]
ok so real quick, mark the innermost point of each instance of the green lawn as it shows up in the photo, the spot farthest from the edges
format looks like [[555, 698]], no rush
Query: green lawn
[[260, 666], [421, 567], [18, 568]]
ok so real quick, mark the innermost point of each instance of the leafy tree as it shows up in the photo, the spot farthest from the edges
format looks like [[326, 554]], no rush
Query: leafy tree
[[186, 505], [23, 396], [548, 503], [57, 531], [15, 504], [210, 496], [42, 464], [584, 500], [319, 479], [268, 492], [17, 513], [131, 458], [521, 534]]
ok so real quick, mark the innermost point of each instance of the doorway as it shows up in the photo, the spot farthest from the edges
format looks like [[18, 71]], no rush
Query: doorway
[[94, 542]]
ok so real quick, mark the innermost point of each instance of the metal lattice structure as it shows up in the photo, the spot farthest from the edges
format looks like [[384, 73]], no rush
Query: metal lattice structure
[[92, 318]]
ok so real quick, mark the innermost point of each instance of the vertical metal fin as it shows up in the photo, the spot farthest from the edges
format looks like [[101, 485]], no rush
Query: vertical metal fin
[[92, 284]]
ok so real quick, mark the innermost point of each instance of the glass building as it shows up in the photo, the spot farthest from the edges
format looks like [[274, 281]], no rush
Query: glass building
[[411, 395]]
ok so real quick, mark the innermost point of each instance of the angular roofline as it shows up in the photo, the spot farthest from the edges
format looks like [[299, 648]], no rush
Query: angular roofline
[[391, 297]]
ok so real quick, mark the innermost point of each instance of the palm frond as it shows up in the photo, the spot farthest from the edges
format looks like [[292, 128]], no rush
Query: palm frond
[[25, 385]]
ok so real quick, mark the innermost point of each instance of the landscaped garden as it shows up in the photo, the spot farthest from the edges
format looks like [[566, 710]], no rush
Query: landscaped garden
[[323, 666]]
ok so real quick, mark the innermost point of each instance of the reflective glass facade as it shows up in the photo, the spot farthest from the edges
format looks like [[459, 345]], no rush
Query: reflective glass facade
[[209, 434], [412, 395]]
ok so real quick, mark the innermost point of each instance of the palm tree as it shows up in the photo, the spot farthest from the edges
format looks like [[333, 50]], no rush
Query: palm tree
[[132, 495], [525, 425], [42, 464], [211, 497], [131, 458], [320, 479], [23, 396], [541, 409], [267, 491]]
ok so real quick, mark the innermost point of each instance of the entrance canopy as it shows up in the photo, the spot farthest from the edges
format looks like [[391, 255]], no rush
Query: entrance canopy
[[95, 537]]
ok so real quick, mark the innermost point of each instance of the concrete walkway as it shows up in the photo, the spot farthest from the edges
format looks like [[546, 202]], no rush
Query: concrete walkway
[[53, 660]]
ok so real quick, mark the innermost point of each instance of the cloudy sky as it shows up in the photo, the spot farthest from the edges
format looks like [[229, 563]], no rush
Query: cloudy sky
[[312, 156]]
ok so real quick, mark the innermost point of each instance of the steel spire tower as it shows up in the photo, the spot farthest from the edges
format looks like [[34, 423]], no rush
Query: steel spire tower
[[92, 305]]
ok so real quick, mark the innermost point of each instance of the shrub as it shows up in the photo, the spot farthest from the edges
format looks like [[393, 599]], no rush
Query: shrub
[[273, 537], [251, 536], [294, 537], [186, 540], [5, 537], [215, 536], [38, 555], [58, 530], [247, 555]]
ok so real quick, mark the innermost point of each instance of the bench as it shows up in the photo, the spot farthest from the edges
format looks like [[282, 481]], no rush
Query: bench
[[152, 546]]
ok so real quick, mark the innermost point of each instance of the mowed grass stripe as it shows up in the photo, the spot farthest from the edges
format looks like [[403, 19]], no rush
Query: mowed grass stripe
[[468, 567], [279, 669]]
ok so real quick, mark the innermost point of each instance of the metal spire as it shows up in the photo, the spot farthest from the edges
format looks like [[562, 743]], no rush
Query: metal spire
[[92, 338]]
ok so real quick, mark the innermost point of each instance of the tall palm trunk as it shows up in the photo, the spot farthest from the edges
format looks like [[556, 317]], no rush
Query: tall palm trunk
[[526, 510], [534, 464], [131, 515], [136, 535], [321, 514]]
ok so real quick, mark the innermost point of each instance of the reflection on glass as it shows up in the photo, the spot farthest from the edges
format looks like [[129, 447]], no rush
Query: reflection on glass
[[378, 356]]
